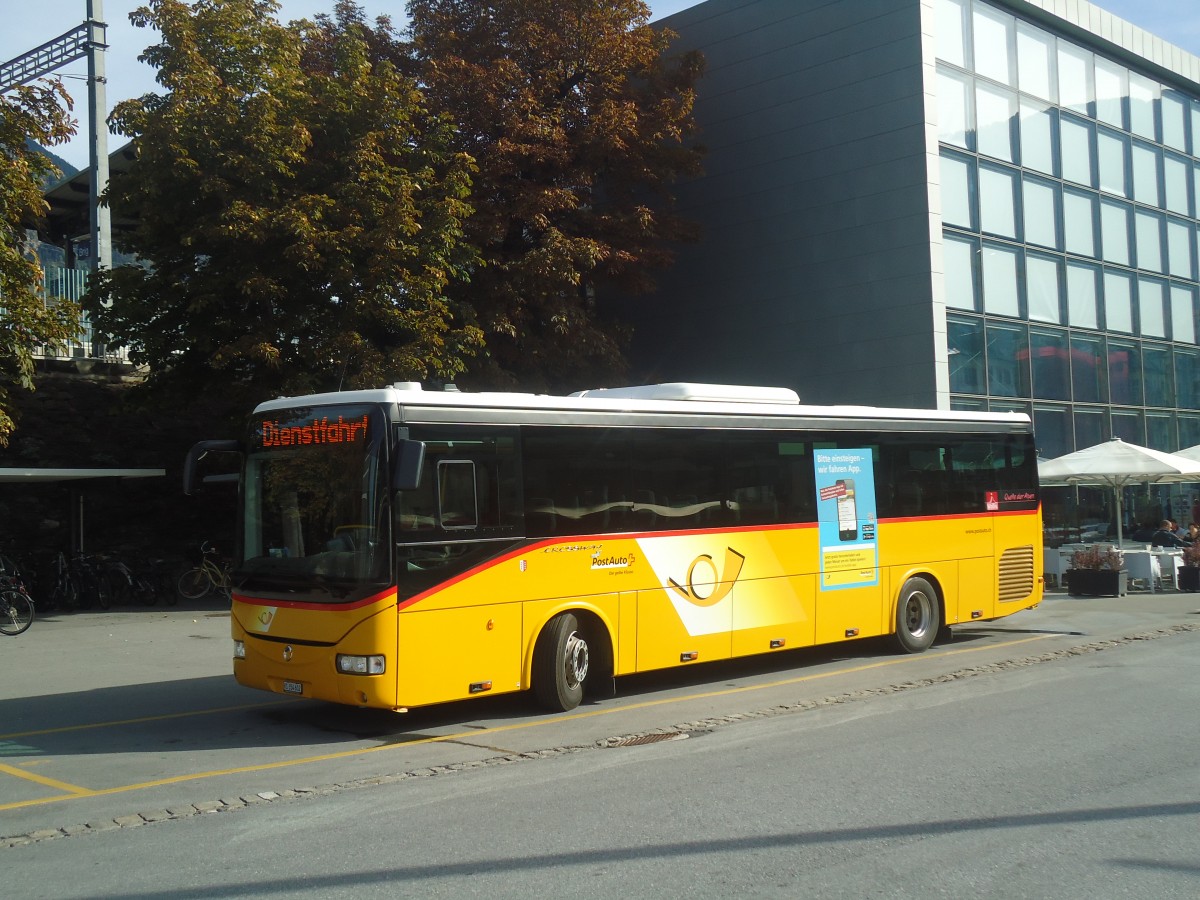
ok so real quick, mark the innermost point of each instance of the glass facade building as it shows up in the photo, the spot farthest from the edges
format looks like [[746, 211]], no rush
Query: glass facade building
[[1070, 186]]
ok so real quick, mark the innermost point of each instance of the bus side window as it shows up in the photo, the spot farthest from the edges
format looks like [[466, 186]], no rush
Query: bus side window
[[458, 499]]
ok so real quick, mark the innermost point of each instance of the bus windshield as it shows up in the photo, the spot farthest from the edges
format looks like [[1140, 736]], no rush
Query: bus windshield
[[314, 499]]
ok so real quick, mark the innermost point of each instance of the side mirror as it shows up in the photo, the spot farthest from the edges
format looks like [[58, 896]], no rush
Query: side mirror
[[191, 480], [410, 460]]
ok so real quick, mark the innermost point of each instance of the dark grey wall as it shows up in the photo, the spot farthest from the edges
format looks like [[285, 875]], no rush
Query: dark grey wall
[[814, 271]]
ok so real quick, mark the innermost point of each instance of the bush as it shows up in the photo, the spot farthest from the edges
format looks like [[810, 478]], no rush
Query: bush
[[1097, 557]]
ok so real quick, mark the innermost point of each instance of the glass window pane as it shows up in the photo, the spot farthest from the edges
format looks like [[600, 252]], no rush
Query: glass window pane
[[1113, 153], [1090, 427], [1007, 360], [1000, 292], [1049, 362], [996, 214], [1076, 155], [1174, 120], [1081, 295], [993, 37], [964, 339], [1128, 426], [1035, 61], [1195, 128], [1160, 430], [1089, 369], [1179, 248], [951, 31], [994, 113], [1148, 233], [1037, 137], [959, 259], [1143, 99], [1114, 226], [1118, 302], [1074, 77], [1124, 373], [1158, 375], [1041, 212], [1052, 425], [1042, 289], [953, 113], [1187, 376], [1145, 174], [956, 192], [1112, 86], [1150, 308], [1183, 315], [1175, 182], [1189, 431], [1079, 229]]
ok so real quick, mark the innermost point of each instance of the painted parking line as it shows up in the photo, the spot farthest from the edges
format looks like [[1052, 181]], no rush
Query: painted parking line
[[475, 734], [71, 789], [162, 718]]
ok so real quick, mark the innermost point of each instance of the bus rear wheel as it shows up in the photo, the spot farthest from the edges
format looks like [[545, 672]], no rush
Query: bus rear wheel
[[560, 663], [917, 616]]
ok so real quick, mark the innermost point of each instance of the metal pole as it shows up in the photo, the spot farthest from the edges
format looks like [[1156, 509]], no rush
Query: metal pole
[[100, 219]]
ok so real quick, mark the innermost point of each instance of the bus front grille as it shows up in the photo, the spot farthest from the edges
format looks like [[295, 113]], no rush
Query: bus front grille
[[1016, 573]]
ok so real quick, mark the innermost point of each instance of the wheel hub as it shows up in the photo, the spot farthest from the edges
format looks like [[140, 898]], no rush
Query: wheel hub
[[576, 660]]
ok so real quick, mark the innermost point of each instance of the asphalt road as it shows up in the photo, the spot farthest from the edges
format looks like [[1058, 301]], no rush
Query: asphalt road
[[1052, 753]]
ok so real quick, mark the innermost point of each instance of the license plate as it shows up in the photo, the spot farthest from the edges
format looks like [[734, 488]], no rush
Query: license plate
[[293, 687]]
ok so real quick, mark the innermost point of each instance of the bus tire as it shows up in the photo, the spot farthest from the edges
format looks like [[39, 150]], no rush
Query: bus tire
[[918, 616], [560, 663]]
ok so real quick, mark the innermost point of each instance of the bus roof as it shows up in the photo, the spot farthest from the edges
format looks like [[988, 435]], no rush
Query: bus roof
[[669, 400]]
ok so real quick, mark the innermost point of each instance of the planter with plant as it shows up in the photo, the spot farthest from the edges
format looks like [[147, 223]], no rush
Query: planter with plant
[[1189, 572], [1097, 572]]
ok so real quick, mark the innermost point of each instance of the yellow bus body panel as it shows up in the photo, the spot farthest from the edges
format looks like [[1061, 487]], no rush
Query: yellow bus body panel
[[298, 645], [662, 600]]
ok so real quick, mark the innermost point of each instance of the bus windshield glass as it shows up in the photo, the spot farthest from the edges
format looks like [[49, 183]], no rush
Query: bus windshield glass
[[314, 500]]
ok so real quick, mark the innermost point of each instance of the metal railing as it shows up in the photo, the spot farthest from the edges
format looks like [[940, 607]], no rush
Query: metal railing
[[62, 283]]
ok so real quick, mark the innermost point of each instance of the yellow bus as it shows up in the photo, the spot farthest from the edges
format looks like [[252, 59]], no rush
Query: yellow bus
[[402, 547]]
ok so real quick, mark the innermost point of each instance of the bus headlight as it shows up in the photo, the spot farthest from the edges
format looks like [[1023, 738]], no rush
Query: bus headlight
[[360, 665], [239, 649]]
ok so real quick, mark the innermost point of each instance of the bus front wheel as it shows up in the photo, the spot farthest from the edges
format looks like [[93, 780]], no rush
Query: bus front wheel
[[560, 663], [917, 616]]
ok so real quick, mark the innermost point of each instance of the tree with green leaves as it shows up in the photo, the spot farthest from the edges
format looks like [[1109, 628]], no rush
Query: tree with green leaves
[[298, 210], [40, 112], [579, 120]]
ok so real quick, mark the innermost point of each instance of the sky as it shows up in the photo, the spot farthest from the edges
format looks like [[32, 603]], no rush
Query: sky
[[26, 24]]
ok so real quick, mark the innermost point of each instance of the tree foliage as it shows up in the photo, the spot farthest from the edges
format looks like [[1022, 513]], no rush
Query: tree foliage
[[579, 121], [40, 112], [299, 211]]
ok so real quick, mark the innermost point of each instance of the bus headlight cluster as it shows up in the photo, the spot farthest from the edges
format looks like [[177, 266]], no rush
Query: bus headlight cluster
[[239, 649], [360, 665]]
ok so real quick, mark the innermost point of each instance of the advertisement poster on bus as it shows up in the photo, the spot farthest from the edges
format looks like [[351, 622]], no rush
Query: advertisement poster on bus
[[846, 518]]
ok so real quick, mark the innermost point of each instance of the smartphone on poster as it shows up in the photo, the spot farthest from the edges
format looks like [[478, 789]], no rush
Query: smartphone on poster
[[847, 511]]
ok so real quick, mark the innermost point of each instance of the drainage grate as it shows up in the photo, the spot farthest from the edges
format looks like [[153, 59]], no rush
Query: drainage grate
[[649, 739]]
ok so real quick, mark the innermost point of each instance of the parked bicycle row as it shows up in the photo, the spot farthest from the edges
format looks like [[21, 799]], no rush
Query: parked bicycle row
[[70, 582]]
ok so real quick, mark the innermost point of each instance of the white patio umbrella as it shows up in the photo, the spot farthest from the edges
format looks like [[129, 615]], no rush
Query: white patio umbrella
[[1116, 464], [1190, 453]]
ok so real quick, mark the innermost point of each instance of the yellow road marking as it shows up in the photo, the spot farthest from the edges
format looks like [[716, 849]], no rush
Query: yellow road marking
[[48, 782], [474, 734], [164, 717]]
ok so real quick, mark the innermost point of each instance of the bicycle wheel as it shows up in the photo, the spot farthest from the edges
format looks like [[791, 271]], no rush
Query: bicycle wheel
[[16, 612], [194, 584]]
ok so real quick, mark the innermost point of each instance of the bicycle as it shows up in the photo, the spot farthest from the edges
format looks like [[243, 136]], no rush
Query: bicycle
[[16, 606], [64, 592], [207, 577]]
